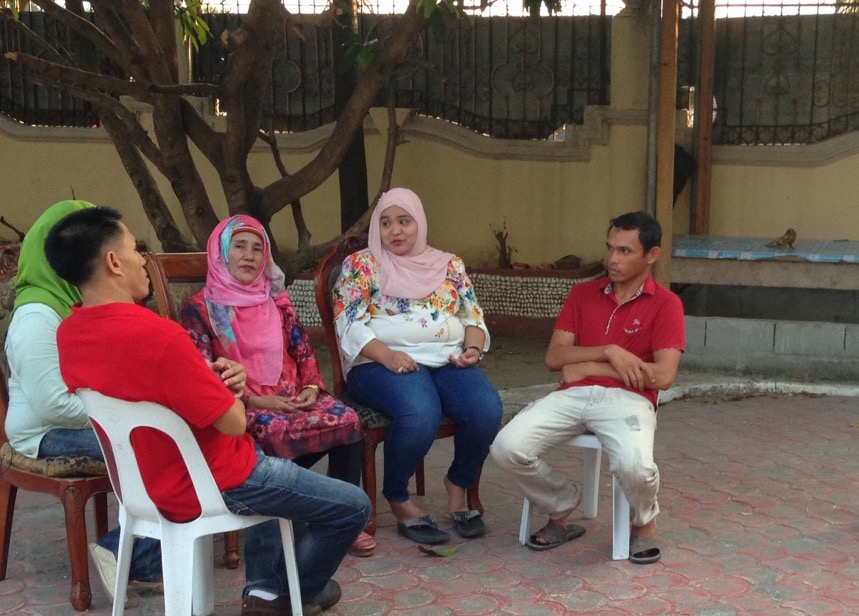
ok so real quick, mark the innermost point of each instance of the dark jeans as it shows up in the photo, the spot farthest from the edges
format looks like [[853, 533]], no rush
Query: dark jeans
[[414, 401], [327, 516], [345, 462]]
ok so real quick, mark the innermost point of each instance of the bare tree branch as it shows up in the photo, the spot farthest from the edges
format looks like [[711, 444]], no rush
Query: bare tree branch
[[248, 74], [297, 214], [352, 118], [208, 140], [163, 19], [76, 23], [132, 35], [186, 89], [53, 74], [156, 210]]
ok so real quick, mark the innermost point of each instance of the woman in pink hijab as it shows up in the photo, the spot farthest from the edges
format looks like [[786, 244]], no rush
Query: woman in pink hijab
[[412, 334], [245, 314]]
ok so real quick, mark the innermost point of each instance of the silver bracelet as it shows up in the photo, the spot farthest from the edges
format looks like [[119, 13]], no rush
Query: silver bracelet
[[476, 348]]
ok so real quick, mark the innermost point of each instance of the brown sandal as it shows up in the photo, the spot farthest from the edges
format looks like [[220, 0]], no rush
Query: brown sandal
[[554, 535]]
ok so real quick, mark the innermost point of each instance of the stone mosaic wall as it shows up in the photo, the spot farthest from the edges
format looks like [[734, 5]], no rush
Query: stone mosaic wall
[[521, 296], [304, 300], [525, 296]]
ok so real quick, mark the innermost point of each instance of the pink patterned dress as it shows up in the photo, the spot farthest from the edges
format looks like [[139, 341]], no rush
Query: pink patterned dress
[[290, 435]]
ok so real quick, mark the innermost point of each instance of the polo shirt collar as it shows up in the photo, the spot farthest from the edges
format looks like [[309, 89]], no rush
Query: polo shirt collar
[[648, 287]]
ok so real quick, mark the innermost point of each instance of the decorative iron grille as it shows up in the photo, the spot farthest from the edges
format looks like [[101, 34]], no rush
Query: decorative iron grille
[[20, 97], [784, 74], [789, 76], [511, 77], [508, 77]]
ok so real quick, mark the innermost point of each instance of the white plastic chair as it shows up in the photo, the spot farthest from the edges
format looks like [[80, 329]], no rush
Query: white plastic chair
[[186, 548], [591, 460]]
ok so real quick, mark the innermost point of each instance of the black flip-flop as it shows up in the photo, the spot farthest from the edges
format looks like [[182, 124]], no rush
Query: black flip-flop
[[422, 530], [554, 536], [643, 550], [469, 524]]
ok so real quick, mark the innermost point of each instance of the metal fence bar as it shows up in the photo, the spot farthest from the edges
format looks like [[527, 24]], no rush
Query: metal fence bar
[[784, 74]]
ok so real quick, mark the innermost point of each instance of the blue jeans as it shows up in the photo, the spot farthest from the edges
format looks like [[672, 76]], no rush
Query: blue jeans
[[327, 516], [70, 442], [146, 555], [414, 402]]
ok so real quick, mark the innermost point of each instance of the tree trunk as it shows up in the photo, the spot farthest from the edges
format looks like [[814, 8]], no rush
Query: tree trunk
[[353, 168]]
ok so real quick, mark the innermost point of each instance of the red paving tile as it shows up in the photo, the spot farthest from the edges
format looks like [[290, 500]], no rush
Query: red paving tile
[[758, 517]]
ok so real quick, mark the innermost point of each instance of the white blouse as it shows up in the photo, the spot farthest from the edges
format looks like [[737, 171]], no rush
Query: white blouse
[[429, 329], [39, 400]]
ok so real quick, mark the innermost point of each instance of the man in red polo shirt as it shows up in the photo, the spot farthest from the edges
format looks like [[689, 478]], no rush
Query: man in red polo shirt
[[123, 350], [616, 343]]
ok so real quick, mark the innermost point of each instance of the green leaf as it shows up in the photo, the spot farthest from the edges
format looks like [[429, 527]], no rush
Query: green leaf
[[12, 5], [440, 550], [368, 53]]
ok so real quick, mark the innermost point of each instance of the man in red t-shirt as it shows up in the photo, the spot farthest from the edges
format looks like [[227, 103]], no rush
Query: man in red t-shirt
[[123, 350], [616, 343]]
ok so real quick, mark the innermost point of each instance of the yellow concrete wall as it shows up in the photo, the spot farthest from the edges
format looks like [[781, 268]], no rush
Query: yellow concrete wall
[[548, 208], [814, 189], [550, 204]]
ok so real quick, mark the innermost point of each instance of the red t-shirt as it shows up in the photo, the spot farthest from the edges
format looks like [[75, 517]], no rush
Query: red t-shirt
[[651, 321], [128, 352]]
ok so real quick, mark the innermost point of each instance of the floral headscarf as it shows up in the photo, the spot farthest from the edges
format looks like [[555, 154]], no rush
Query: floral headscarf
[[246, 317]]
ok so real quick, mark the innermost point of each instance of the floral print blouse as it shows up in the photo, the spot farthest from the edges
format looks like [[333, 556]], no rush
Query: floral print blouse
[[429, 329]]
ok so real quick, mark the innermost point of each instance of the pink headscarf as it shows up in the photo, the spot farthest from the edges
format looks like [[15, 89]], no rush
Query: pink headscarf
[[246, 317], [421, 271]]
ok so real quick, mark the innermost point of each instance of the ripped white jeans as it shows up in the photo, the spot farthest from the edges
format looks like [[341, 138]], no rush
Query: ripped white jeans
[[625, 424]]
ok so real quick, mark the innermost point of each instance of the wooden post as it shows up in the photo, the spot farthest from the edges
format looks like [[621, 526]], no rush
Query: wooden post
[[665, 139], [704, 117]]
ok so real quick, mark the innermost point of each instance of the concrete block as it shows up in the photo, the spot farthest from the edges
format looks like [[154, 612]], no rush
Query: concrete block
[[738, 336], [851, 340], [696, 330], [809, 338]]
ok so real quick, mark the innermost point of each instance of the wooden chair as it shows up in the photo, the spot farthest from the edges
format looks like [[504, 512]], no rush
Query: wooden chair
[[175, 277], [375, 423], [41, 476]]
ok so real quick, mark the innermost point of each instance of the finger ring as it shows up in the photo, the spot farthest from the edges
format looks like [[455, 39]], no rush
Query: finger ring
[[400, 369]]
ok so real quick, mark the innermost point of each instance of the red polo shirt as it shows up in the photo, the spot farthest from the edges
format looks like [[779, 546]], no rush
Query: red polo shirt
[[651, 321], [129, 352]]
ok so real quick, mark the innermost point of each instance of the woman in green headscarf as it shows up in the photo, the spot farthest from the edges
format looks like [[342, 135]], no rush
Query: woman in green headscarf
[[44, 420]]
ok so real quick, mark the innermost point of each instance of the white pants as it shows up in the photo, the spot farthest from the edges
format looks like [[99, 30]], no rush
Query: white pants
[[624, 423]]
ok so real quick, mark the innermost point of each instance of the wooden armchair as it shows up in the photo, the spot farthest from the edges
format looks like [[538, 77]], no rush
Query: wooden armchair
[[73, 479], [175, 277], [375, 424]]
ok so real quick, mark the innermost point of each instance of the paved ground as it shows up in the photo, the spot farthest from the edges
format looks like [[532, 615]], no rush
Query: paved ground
[[759, 516]]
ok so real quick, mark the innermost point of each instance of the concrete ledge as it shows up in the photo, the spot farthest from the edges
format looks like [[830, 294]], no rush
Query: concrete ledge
[[696, 384], [790, 349]]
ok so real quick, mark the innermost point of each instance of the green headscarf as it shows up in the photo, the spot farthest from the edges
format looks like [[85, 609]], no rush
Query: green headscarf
[[36, 281]]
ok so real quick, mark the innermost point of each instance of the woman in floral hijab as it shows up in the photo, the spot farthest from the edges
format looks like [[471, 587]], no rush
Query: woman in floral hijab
[[244, 313]]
